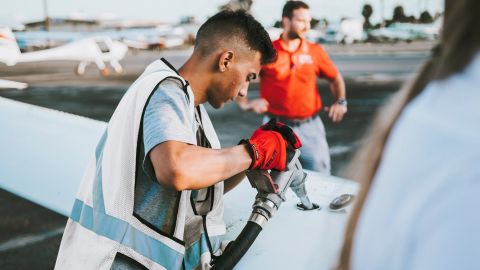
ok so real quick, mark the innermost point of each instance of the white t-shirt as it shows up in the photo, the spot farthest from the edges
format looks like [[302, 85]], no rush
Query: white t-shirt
[[422, 209]]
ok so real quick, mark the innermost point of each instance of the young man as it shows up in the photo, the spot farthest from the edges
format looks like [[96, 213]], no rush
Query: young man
[[288, 87], [153, 194]]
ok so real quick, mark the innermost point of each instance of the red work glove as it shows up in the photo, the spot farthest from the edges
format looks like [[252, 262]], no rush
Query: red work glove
[[287, 133], [268, 145], [268, 150]]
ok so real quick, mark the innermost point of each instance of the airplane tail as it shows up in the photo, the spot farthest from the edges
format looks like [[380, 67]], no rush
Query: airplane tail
[[9, 50]]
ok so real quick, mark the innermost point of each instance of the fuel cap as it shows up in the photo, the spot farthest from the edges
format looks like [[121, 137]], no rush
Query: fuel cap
[[341, 202]]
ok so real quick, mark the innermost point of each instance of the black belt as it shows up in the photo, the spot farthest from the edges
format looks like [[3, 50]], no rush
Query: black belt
[[293, 122]]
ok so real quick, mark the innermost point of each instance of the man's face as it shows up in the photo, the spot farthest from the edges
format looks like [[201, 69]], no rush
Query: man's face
[[234, 81], [298, 25]]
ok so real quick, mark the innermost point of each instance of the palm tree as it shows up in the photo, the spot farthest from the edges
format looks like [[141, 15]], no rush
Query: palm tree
[[237, 5], [367, 12]]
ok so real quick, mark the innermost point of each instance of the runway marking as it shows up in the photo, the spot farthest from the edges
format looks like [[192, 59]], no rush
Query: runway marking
[[340, 149], [29, 239]]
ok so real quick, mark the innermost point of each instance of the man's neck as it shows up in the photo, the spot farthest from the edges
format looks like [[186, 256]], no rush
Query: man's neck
[[291, 44], [194, 72]]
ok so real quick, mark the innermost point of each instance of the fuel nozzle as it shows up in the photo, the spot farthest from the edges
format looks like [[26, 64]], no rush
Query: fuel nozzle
[[272, 186], [298, 187]]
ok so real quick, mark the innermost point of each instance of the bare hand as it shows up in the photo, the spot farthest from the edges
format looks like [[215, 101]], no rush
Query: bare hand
[[336, 112], [258, 106]]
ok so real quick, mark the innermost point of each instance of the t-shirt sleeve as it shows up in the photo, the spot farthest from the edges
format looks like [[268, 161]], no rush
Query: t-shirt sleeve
[[324, 65], [167, 116]]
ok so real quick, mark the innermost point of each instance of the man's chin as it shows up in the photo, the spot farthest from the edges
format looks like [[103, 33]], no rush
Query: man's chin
[[217, 105]]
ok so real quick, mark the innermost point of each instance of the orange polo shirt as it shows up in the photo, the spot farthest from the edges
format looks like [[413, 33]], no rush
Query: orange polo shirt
[[289, 84]]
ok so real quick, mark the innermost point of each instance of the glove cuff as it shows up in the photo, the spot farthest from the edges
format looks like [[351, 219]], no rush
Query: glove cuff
[[252, 151]]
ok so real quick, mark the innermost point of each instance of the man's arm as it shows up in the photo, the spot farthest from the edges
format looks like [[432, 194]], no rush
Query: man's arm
[[182, 166], [337, 109]]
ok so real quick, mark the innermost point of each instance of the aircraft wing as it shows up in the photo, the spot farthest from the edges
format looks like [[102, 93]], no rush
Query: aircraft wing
[[44, 153], [292, 239]]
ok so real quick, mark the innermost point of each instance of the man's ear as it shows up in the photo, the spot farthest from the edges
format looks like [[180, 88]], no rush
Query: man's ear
[[285, 22], [226, 60]]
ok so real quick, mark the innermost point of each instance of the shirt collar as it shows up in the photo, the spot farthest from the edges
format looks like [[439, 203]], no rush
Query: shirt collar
[[302, 47]]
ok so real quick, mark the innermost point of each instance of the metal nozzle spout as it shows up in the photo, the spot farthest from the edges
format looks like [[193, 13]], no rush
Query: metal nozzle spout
[[298, 186]]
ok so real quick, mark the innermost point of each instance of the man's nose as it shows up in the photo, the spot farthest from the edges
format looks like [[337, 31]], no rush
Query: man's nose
[[243, 92]]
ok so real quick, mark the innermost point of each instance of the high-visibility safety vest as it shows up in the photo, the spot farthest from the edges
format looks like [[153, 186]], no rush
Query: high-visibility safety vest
[[103, 228]]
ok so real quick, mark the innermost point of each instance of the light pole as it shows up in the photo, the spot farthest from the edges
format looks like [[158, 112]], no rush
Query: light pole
[[382, 9], [47, 18]]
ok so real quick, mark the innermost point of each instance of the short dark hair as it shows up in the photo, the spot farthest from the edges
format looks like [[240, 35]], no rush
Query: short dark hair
[[235, 26], [290, 6]]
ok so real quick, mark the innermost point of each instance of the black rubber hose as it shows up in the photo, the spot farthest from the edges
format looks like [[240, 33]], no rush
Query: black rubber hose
[[238, 248]]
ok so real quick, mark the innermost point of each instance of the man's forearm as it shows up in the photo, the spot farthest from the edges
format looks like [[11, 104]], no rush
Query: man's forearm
[[339, 107], [182, 166], [337, 87]]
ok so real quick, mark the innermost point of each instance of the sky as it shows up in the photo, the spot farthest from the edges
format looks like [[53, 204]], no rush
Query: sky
[[14, 12]]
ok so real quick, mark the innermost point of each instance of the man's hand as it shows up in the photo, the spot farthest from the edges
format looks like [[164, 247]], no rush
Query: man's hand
[[287, 133], [268, 146], [339, 108], [267, 149], [336, 112], [258, 106]]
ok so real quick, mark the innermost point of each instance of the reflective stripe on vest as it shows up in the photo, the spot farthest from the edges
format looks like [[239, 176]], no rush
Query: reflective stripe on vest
[[122, 232], [97, 220]]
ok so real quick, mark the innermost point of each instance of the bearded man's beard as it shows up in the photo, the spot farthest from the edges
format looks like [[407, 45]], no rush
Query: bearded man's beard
[[293, 35]]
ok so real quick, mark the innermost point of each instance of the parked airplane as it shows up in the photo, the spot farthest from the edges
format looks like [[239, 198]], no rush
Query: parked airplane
[[6, 84], [345, 31], [143, 38], [98, 50], [407, 31], [160, 37]]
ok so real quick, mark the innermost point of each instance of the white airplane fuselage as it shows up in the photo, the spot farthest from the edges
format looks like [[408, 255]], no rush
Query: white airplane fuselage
[[98, 50]]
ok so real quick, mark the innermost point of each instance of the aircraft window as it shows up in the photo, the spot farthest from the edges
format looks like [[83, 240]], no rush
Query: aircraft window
[[103, 46]]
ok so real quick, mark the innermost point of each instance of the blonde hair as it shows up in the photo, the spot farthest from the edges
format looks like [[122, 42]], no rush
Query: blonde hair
[[459, 42]]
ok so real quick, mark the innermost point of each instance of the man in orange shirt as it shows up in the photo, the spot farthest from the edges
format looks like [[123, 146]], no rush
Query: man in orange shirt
[[288, 89]]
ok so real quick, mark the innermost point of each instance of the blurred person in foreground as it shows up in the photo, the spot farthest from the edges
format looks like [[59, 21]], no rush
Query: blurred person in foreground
[[288, 87], [152, 196], [419, 167]]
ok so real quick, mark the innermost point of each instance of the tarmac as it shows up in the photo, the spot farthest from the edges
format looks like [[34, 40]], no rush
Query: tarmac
[[30, 234]]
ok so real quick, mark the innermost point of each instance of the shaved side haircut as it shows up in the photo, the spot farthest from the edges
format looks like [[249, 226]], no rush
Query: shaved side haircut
[[236, 28]]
